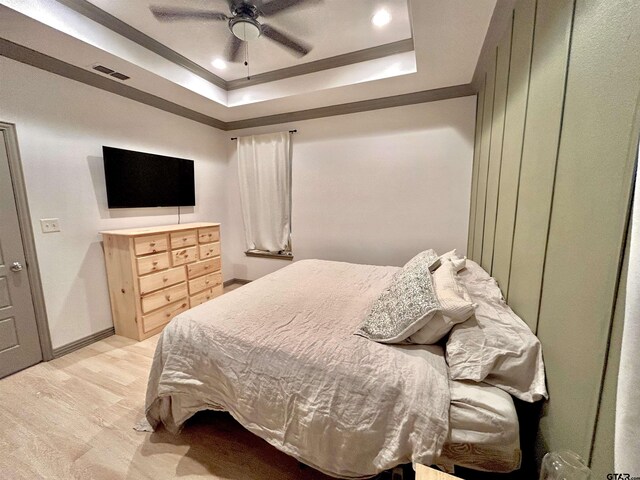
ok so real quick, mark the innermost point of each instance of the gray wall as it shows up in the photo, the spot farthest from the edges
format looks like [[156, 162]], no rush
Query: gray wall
[[556, 136]]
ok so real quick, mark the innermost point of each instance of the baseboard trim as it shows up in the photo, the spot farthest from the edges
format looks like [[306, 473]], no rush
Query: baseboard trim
[[236, 280], [83, 342]]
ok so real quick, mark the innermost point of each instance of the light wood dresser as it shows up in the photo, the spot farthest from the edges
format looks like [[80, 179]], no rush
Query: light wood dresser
[[156, 273]]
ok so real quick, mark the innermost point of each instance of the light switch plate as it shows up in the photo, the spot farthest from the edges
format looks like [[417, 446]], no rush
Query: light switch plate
[[50, 225]]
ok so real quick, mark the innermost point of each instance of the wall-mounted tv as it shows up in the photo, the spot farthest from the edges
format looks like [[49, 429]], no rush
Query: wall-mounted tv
[[136, 179]]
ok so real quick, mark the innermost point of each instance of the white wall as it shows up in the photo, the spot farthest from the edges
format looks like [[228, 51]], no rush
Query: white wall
[[374, 187], [61, 127]]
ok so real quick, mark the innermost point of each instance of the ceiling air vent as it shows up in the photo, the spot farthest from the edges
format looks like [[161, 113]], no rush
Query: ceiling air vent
[[109, 71], [120, 76], [103, 69]]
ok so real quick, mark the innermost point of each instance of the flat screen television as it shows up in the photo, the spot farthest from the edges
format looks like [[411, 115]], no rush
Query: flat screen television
[[136, 179]]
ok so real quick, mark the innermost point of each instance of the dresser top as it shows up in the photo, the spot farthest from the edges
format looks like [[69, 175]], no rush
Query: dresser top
[[135, 232]]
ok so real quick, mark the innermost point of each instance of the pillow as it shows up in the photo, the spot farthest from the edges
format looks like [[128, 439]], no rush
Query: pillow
[[495, 346], [456, 305], [458, 262], [405, 305]]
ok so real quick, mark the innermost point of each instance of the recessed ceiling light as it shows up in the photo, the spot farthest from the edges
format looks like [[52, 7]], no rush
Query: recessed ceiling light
[[381, 18], [219, 64]]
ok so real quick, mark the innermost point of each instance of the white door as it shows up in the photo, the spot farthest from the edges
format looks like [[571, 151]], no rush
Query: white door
[[19, 341]]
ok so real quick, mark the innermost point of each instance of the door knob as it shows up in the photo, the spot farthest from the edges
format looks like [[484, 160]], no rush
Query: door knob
[[16, 267]]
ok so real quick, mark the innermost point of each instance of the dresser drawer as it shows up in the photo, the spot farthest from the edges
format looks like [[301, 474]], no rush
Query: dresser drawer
[[209, 234], [184, 255], [209, 250], [164, 297], [184, 239], [206, 281], [162, 317], [152, 263], [206, 295], [150, 244], [200, 268], [160, 280]]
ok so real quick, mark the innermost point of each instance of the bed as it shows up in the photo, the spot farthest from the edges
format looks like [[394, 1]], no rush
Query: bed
[[280, 356]]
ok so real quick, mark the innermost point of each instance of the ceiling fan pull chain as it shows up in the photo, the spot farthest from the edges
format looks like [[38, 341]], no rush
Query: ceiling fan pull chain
[[246, 59]]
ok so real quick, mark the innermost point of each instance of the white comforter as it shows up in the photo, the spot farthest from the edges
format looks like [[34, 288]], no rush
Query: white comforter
[[280, 355]]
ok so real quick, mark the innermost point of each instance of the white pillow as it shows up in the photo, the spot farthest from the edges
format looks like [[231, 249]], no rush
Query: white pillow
[[495, 346], [458, 262], [456, 305]]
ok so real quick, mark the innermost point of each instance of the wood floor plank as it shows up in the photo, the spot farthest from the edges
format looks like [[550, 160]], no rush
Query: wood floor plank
[[72, 418]]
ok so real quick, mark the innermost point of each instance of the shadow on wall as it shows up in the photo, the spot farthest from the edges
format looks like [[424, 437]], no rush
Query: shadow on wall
[[91, 280], [96, 169]]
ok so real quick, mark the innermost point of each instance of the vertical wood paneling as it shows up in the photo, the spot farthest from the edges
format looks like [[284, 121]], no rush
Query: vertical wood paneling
[[540, 151], [590, 207], [495, 153], [474, 176], [602, 455], [568, 152], [522, 43], [483, 166]]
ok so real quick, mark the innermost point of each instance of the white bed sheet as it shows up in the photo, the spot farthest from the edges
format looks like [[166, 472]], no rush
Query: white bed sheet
[[281, 356], [484, 430]]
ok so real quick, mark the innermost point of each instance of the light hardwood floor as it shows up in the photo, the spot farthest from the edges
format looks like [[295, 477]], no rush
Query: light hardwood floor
[[73, 418]]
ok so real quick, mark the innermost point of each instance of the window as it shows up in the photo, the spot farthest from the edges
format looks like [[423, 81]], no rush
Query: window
[[264, 173]]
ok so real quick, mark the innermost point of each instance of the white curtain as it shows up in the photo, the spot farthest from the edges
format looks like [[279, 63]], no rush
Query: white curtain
[[627, 442], [264, 170]]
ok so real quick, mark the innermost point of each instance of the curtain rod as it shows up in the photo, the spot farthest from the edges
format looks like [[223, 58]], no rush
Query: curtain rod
[[290, 131]]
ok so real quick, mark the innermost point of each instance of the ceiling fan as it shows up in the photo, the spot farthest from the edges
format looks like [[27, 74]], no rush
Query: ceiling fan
[[243, 22]]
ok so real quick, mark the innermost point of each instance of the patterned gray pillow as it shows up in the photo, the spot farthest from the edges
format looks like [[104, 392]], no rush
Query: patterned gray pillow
[[405, 305]]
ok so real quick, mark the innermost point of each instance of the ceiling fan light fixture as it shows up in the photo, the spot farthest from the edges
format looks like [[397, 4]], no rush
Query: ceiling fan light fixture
[[246, 29]]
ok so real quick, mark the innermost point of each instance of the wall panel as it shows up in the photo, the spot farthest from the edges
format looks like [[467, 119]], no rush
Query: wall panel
[[590, 210], [518, 91], [540, 149], [495, 152], [483, 165], [571, 129], [476, 161]]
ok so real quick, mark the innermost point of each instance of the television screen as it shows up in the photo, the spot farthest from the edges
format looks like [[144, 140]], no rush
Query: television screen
[[136, 179]]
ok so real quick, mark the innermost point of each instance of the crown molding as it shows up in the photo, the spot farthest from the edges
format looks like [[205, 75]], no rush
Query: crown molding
[[413, 98], [116, 25], [39, 60], [373, 53]]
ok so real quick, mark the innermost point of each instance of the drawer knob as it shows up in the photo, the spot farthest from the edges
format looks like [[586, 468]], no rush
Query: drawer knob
[[152, 244], [155, 263], [206, 267], [184, 239], [168, 297], [206, 282], [165, 279], [168, 314]]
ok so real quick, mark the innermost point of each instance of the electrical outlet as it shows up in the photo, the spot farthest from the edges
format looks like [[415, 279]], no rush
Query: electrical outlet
[[50, 225]]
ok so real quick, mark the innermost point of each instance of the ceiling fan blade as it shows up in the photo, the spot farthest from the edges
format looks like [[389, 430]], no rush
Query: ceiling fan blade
[[171, 14], [276, 6], [233, 49], [286, 41]]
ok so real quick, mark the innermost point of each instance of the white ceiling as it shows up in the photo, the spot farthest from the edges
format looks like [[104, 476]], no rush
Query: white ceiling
[[331, 27], [448, 35]]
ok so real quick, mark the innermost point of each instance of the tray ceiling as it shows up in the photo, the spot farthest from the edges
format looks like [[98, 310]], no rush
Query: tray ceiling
[[172, 62], [332, 27]]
